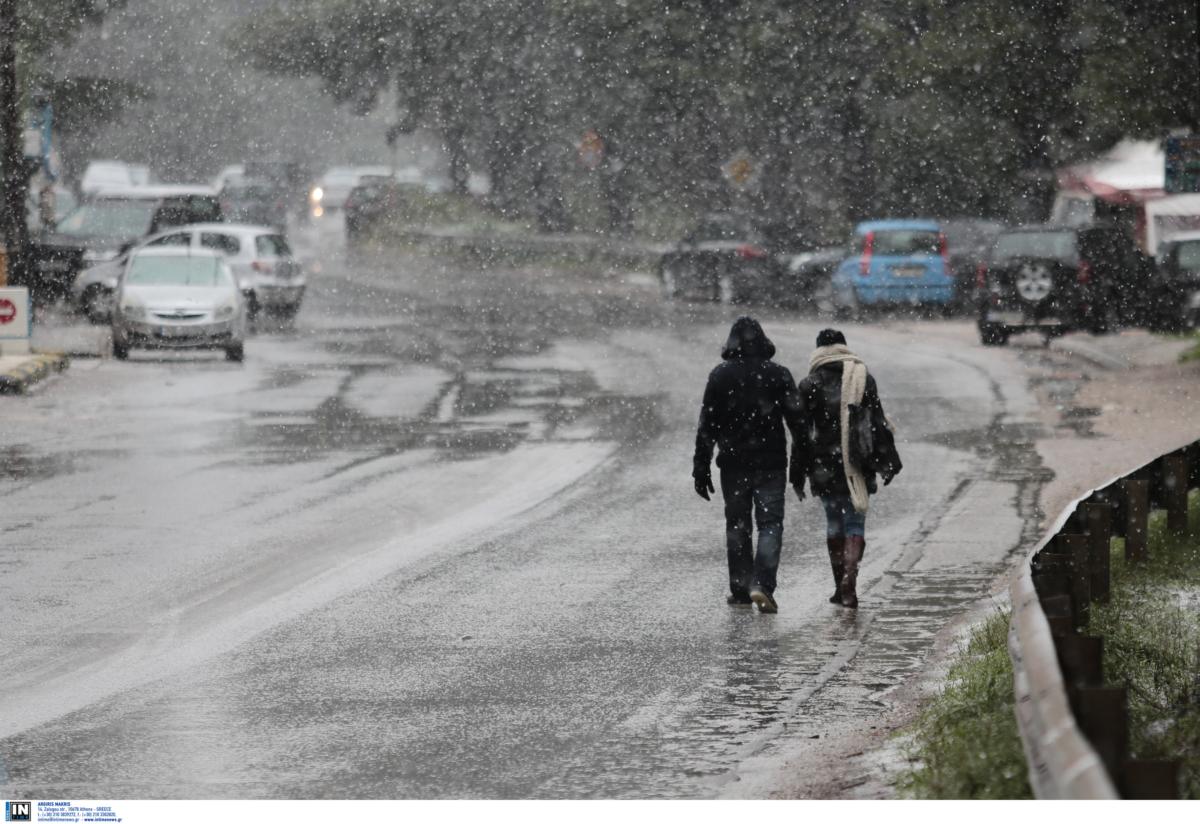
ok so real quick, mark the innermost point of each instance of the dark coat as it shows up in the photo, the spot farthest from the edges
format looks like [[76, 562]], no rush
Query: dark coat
[[746, 402], [818, 453]]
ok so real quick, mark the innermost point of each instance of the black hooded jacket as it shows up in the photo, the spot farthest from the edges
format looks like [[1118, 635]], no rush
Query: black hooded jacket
[[746, 402]]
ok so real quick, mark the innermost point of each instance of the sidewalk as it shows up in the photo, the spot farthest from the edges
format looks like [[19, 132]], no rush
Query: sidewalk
[[19, 372], [57, 337]]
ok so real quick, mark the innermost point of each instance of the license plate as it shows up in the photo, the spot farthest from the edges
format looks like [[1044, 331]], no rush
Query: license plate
[[53, 266], [1011, 318], [908, 271]]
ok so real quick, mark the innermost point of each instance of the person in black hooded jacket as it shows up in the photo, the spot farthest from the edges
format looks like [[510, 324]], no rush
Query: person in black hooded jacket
[[746, 403]]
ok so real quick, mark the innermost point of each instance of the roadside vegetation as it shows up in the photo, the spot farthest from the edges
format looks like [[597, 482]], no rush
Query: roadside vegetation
[[965, 743], [1151, 629]]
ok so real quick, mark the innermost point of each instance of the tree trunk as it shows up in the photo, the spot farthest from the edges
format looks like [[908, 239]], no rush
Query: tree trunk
[[15, 181]]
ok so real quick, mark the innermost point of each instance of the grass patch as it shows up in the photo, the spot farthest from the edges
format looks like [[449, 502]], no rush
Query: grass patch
[[1151, 629], [965, 744]]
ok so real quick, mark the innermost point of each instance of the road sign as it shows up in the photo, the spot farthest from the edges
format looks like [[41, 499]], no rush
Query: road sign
[[741, 170], [14, 314], [591, 150], [1182, 164]]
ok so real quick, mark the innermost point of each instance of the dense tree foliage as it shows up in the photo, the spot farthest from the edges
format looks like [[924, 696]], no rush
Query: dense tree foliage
[[851, 108]]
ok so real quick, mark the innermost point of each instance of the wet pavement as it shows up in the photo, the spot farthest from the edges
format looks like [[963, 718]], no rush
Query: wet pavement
[[439, 540]]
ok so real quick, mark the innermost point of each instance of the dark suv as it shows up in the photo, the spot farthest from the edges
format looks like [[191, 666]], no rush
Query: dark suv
[[1054, 280]]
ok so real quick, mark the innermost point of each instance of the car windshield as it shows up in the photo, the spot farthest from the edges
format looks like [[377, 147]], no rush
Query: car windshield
[[109, 218], [1189, 256], [906, 242], [1058, 245], [161, 270]]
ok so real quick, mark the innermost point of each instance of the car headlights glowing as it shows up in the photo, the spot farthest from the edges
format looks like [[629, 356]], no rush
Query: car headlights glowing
[[317, 194]]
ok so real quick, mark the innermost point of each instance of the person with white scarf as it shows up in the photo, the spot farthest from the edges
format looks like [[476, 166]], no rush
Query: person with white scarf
[[837, 382]]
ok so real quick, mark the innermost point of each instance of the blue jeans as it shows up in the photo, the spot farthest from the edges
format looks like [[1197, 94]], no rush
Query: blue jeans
[[841, 518], [759, 491]]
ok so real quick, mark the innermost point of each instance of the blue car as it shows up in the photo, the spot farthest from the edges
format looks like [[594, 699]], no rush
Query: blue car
[[895, 262]]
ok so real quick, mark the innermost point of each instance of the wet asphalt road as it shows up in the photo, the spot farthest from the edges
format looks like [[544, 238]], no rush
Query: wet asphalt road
[[439, 540]]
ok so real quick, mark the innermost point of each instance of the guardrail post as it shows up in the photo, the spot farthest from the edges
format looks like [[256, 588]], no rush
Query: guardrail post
[[1058, 613], [1149, 779], [1098, 519], [1075, 548], [1081, 658], [1175, 487], [1103, 716], [1137, 495]]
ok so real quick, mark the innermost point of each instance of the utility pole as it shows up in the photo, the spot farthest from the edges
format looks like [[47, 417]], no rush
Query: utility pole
[[15, 181]]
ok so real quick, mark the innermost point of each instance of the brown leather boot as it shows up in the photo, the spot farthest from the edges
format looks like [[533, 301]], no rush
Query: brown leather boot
[[836, 544], [852, 556]]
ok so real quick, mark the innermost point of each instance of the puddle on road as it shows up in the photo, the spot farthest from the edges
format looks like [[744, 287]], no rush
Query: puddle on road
[[475, 413], [19, 463]]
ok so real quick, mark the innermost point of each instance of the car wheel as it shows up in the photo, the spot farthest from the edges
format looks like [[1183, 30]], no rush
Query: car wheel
[[993, 334], [235, 352], [1104, 321], [120, 349], [96, 304], [850, 309]]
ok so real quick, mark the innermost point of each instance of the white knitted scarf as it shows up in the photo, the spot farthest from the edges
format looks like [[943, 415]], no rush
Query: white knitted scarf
[[854, 383]]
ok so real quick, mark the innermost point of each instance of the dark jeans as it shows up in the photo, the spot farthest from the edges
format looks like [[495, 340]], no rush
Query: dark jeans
[[760, 491], [841, 518]]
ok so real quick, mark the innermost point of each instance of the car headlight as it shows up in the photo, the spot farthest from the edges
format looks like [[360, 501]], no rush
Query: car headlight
[[317, 194], [132, 311], [226, 311]]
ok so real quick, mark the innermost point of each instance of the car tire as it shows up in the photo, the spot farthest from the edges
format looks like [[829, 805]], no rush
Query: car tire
[[993, 334], [92, 304], [120, 350], [851, 311], [235, 352]]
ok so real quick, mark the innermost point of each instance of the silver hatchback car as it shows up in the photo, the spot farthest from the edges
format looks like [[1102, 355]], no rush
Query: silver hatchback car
[[178, 298]]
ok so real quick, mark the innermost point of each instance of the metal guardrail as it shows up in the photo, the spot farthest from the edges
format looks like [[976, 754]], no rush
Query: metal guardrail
[[1075, 730]]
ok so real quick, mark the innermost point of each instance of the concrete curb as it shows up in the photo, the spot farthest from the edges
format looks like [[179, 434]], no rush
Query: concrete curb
[[18, 379]]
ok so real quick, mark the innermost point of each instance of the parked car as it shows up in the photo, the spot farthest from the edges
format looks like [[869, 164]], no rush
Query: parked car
[[1177, 298], [968, 241], [895, 263], [104, 225], [178, 298], [250, 200], [330, 192], [808, 279], [270, 277], [374, 199], [1057, 279], [723, 258]]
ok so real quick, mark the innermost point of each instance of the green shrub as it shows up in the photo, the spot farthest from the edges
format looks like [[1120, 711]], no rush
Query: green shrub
[[965, 742]]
